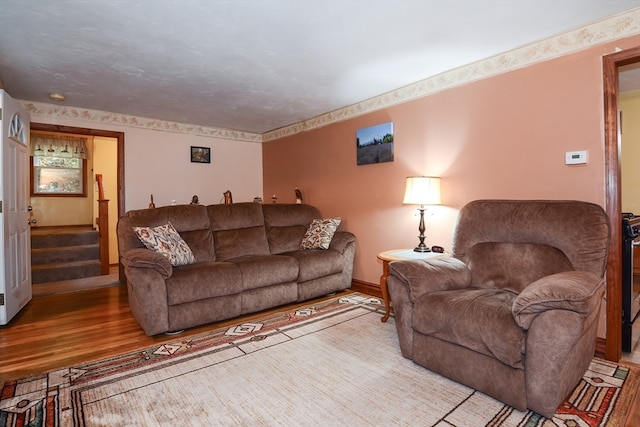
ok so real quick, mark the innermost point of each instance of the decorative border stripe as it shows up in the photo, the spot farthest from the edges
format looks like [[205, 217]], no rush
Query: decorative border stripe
[[609, 29]]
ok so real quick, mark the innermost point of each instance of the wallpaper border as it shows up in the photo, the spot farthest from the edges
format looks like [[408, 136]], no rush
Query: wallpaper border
[[618, 26]]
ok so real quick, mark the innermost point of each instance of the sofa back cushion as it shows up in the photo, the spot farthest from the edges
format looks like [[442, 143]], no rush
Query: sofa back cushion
[[286, 225], [191, 222], [532, 228], [238, 230]]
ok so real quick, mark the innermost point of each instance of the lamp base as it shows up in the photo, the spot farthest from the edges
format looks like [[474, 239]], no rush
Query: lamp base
[[422, 248]]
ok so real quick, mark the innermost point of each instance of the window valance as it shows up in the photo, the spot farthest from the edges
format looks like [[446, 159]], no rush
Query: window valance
[[59, 146]]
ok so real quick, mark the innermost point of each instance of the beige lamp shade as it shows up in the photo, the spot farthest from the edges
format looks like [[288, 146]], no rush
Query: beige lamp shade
[[422, 190]]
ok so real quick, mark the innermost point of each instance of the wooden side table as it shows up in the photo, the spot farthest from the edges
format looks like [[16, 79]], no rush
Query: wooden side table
[[396, 255]]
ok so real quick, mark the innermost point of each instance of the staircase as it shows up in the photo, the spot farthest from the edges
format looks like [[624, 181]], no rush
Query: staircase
[[64, 253]]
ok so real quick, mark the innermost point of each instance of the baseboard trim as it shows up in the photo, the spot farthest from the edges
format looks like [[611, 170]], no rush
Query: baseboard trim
[[601, 348], [366, 288]]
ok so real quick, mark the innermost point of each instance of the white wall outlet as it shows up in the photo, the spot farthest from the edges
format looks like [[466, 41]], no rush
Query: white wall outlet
[[575, 157]]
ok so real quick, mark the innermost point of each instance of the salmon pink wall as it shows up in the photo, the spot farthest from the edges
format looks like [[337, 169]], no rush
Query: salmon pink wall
[[501, 137]]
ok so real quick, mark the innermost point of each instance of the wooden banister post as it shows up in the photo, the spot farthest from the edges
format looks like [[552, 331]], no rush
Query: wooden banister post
[[103, 227]]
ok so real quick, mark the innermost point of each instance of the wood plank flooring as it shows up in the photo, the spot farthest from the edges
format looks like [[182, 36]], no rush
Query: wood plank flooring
[[56, 331]]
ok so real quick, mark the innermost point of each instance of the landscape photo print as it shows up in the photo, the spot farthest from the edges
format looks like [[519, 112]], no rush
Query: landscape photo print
[[374, 144]]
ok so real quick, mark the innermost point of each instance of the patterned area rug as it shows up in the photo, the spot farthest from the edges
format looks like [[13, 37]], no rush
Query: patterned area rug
[[333, 363]]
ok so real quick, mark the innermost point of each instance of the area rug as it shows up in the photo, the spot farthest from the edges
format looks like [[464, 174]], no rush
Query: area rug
[[333, 363]]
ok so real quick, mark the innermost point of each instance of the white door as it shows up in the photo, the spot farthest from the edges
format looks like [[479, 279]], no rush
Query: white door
[[15, 252]]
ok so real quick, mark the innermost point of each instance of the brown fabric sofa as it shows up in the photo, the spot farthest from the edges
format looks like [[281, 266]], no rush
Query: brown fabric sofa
[[247, 259], [513, 312]]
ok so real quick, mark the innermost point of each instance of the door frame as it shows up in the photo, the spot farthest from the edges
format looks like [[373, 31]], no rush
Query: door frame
[[119, 136], [613, 189]]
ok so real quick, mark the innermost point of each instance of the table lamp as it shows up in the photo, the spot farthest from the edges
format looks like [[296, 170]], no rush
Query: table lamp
[[422, 190]]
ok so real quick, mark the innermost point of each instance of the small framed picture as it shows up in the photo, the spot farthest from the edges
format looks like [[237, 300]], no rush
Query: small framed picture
[[200, 154], [374, 144]]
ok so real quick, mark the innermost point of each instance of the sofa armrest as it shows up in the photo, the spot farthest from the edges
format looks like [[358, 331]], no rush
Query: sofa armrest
[[577, 291], [146, 258], [340, 241], [431, 275]]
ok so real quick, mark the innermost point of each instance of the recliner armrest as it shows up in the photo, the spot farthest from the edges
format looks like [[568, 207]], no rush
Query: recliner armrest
[[431, 275], [146, 258], [576, 291], [340, 240]]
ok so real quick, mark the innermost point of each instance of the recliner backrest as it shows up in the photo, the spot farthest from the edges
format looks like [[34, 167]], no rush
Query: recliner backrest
[[511, 243], [286, 225], [191, 221]]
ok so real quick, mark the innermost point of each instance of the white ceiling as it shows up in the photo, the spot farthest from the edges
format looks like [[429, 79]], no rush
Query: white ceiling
[[258, 65]]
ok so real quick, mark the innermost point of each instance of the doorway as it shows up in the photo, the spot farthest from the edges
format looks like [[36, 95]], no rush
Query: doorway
[[117, 187], [613, 192]]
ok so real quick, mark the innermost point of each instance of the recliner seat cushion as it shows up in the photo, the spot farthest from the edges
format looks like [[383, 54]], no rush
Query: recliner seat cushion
[[315, 263], [203, 280], [266, 270], [478, 319]]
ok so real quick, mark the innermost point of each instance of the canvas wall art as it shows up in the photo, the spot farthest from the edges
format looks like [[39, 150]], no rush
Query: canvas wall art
[[374, 144]]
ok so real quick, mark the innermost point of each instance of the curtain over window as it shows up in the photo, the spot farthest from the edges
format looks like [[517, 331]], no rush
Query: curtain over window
[[58, 146]]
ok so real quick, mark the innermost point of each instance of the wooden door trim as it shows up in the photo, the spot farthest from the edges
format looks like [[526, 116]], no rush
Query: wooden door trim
[[613, 204]]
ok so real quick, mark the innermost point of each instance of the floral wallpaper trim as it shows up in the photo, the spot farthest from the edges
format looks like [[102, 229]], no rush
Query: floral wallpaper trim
[[57, 111], [616, 27], [623, 25]]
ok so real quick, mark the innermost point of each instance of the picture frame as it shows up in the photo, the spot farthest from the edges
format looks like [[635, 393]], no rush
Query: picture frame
[[374, 144], [200, 154], [55, 177]]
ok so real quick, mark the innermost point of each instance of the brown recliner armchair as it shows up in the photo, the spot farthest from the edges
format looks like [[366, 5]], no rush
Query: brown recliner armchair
[[513, 312]]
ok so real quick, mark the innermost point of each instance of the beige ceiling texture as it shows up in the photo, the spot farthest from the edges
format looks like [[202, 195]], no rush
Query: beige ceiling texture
[[258, 66]]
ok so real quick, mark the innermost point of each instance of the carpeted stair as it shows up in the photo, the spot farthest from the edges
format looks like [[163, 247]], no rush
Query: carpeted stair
[[63, 253]]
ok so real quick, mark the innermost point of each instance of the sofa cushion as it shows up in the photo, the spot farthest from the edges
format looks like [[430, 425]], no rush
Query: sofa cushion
[[478, 319], [191, 221], [203, 280], [238, 230], [201, 244], [320, 233], [165, 240], [266, 270], [315, 263], [286, 225]]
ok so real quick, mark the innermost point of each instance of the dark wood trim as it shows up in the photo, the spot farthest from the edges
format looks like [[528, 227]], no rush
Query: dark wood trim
[[613, 205], [32, 193], [601, 348], [103, 233], [366, 288]]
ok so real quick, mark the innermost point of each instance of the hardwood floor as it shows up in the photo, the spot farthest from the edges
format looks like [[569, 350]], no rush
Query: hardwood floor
[[57, 331]]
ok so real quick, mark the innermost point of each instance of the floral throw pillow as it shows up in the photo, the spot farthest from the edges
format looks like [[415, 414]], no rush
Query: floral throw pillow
[[165, 239], [320, 233]]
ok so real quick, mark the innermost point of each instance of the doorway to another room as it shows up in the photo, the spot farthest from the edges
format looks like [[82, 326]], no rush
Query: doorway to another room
[[72, 248], [613, 65]]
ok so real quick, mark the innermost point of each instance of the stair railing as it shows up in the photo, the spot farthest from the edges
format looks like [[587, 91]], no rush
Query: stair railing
[[103, 227]]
